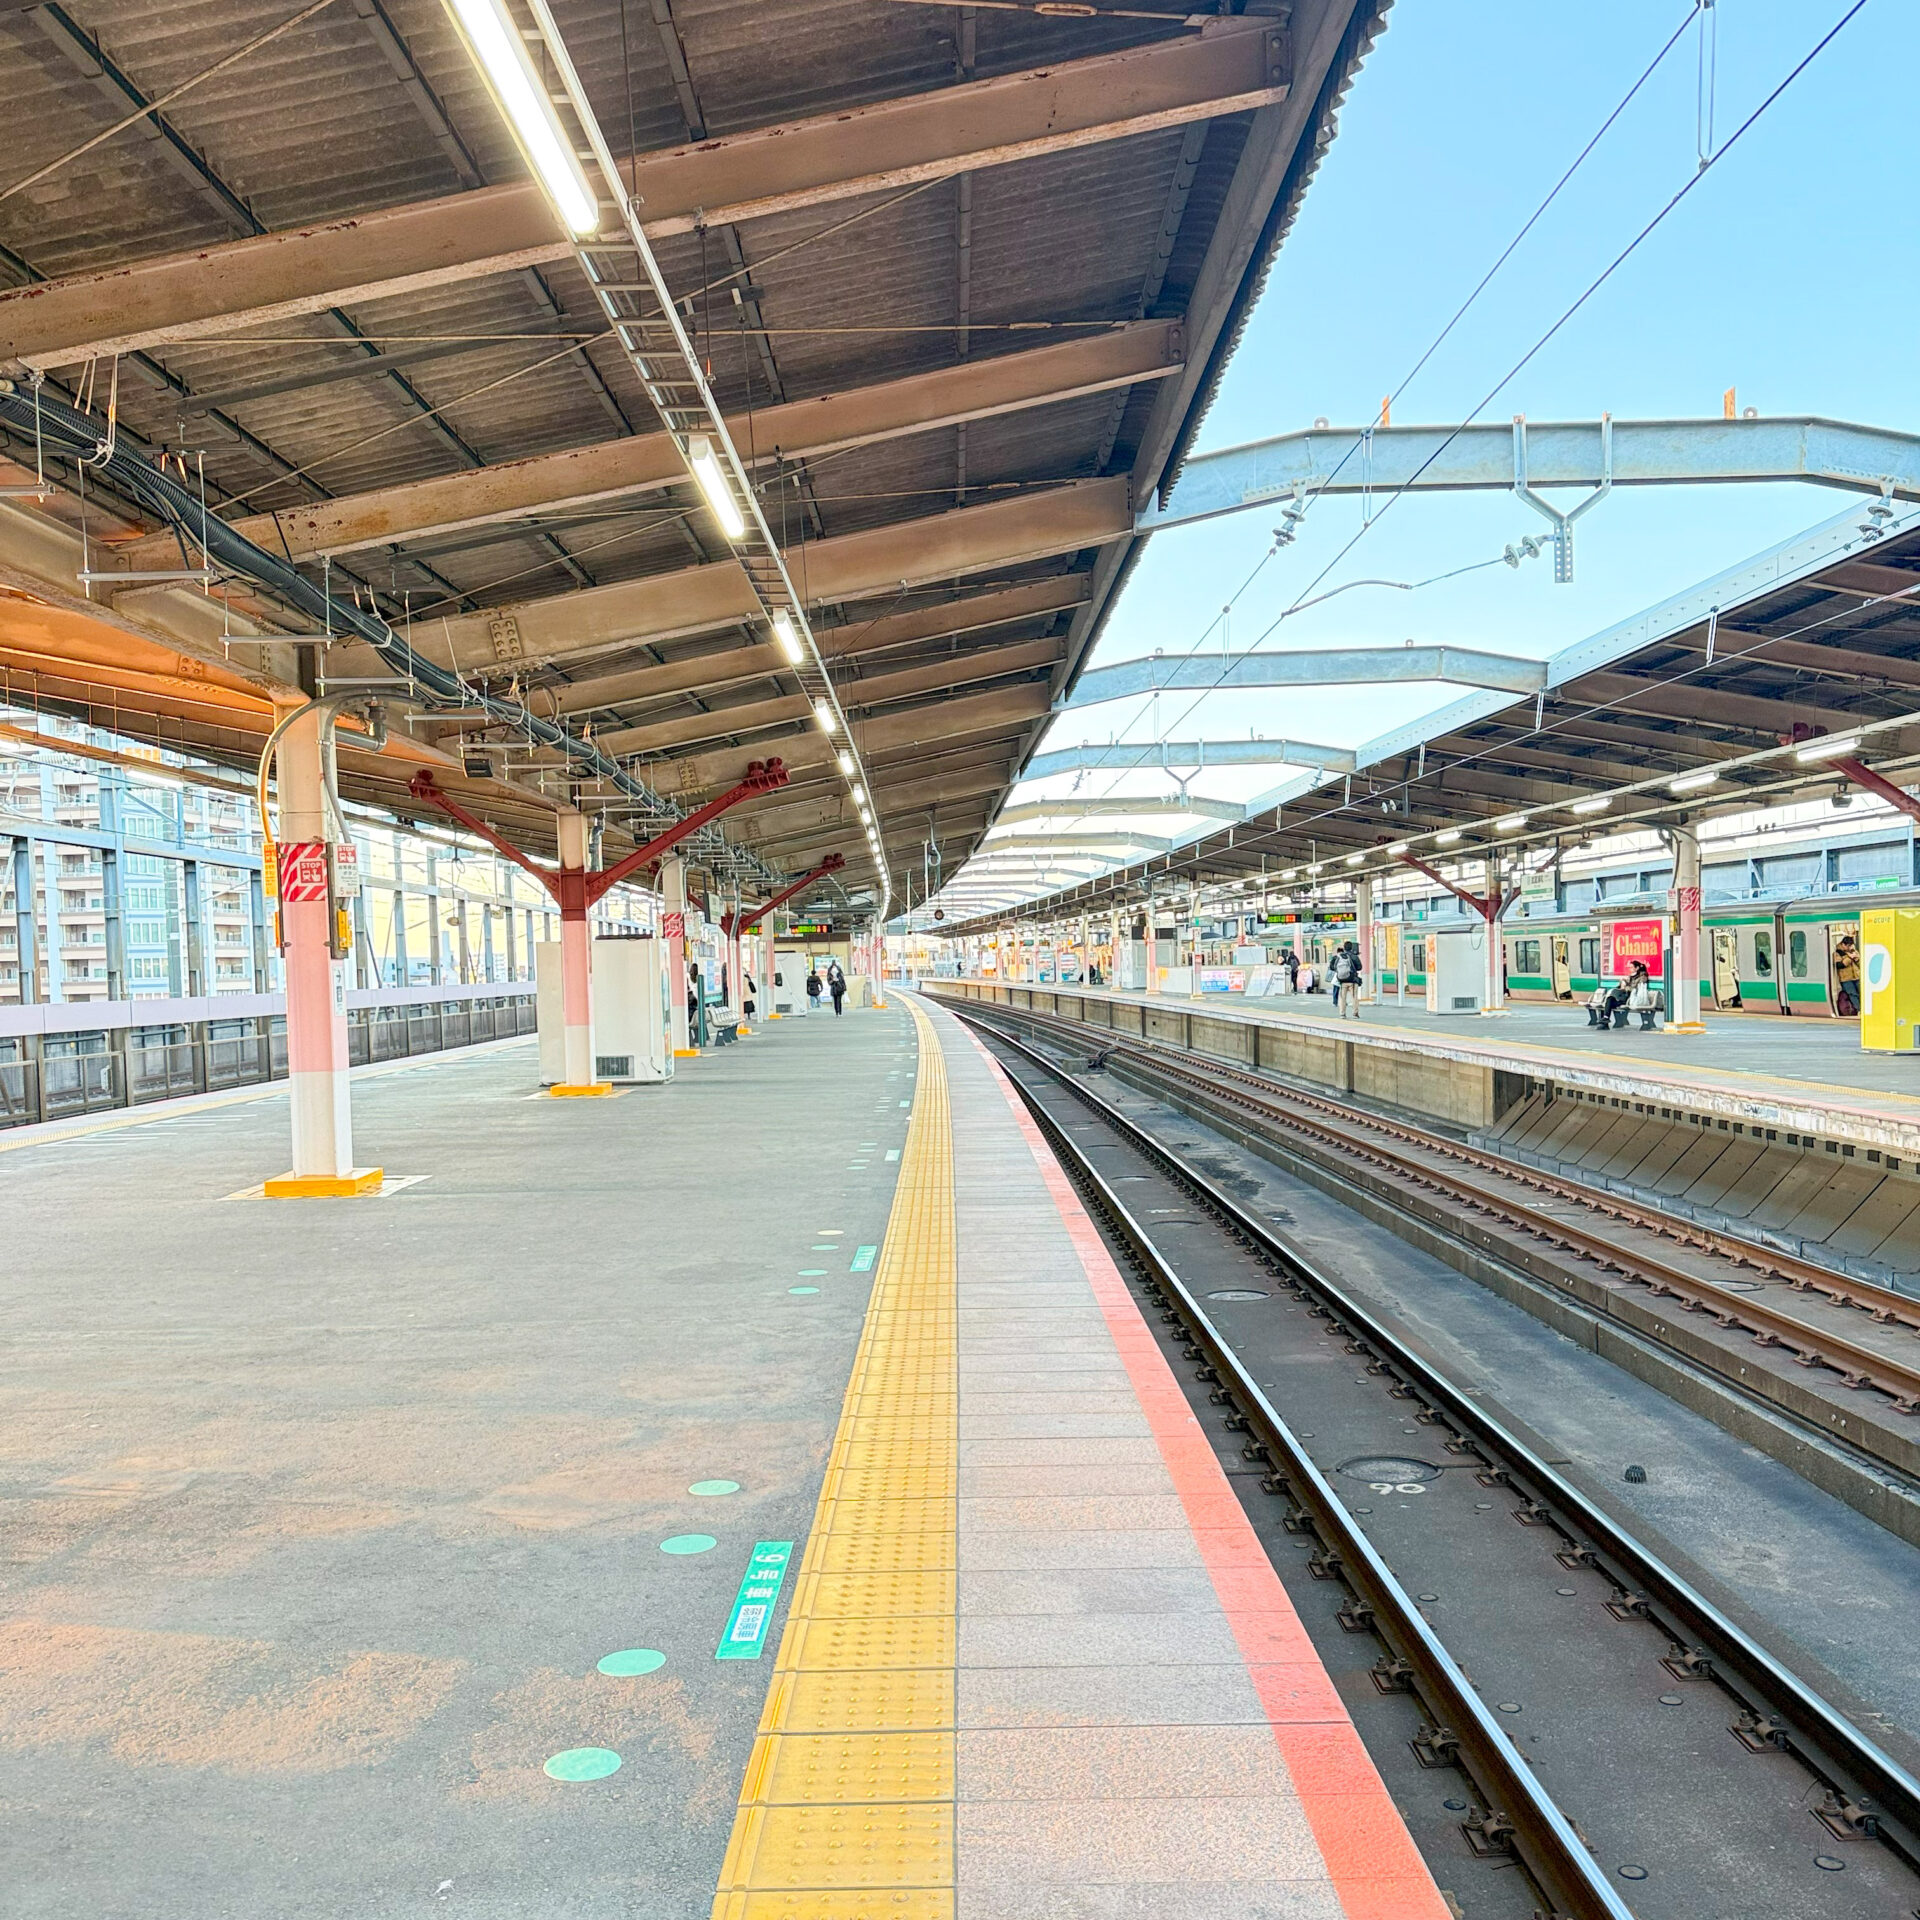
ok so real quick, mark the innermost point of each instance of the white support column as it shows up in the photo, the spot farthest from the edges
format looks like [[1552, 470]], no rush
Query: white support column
[[1683, 990], [1496, 994], [1153, 940], [1363, 933], [323, 1166], [673, 910], [576, 961]]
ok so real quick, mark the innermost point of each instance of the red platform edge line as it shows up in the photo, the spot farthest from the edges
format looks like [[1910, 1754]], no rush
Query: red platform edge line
[[1377, 1872]]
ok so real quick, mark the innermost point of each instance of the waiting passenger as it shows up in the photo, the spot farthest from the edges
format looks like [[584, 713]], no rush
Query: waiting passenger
[[814, 990], [836, 985], [1641, 998], [1846, 976]]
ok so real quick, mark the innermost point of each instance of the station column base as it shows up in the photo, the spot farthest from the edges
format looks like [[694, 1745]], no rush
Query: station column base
[[351, 1185], [593, 1090], [1684, 1026]]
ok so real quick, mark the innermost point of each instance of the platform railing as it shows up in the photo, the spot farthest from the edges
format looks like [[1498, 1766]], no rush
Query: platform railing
[[97, 1069]]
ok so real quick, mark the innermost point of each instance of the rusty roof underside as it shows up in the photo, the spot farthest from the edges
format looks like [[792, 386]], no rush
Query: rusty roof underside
[[963, 281]]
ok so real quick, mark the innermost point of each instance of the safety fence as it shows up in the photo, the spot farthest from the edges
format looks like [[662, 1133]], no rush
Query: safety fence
[[59, 1076]]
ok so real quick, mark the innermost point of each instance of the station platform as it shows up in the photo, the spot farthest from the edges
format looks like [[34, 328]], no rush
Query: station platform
[[756, 1496], [1806, 1077]]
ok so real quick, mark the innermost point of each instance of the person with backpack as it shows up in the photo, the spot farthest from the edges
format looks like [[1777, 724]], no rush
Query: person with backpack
[[1346, 981], [836, 985], [814, 989]]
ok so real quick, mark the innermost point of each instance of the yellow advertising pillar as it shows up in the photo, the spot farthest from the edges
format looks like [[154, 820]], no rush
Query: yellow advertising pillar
[[1889, 964]]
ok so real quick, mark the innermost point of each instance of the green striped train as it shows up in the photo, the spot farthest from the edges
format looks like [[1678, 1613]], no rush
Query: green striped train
[[1756, 956]]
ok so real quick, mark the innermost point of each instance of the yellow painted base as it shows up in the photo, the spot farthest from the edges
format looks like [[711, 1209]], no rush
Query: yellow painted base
[[686, 1053], [1684, 1026], [599, 1090], [322, 1186], [743, 1032]]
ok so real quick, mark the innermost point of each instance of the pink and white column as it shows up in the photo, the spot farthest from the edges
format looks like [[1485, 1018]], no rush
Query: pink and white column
[[576, 960], [323, 1165], [1683, 990], [673, 927]]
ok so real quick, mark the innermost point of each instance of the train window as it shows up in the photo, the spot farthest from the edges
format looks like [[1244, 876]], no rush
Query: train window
[[1763, 954], [1590, 953], [1797, 955], [1526, 956]]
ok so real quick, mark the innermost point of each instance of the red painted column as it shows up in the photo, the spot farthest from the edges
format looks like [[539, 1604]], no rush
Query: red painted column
[[576, 956], [673, 908]]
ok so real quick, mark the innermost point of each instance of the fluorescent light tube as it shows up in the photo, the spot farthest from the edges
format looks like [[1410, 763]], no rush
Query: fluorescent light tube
[[1594, 803], [789, 641], [846, 763], [1448, 838], [1397, 849], [704, 465], [502, 54], [859, 794], [1692, 783], [1356, 859], [1828, 749], [824, 718], [1511, 824]]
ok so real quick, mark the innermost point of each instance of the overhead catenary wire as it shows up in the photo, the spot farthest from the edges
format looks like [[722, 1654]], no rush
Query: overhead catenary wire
[[1567, 314]]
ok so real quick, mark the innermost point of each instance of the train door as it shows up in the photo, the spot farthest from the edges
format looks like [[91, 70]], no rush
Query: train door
[[1562, 969], [1726, 967], [1766, 983], [1843, 963]]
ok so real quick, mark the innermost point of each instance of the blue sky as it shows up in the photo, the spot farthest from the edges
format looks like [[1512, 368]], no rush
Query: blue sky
[[1787, 274]]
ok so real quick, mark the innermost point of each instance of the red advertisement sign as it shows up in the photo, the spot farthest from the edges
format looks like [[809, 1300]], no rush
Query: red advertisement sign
[[1636, 942], [673, 926], [303, 871]]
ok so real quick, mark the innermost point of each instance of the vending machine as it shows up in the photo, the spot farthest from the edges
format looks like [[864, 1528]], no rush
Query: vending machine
[[1890, 979]]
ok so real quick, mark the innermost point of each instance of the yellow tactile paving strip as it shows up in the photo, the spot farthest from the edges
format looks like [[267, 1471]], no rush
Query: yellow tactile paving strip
[[846, 1811]]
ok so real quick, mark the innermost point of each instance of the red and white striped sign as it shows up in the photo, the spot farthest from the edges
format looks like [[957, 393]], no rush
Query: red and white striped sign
[[303, 871], [673, 926]]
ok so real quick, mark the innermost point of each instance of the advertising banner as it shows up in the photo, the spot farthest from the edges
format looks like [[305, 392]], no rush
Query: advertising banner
[[1636, 942]]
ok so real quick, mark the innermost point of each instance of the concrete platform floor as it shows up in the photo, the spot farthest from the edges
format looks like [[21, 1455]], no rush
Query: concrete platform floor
[[317, 1517]]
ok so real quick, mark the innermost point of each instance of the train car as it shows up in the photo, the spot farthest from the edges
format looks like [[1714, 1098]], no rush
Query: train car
[[1797, 957]]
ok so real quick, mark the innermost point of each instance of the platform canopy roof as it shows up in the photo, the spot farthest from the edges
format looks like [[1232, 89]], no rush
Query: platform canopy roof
[[963, 281], [1794, 672]]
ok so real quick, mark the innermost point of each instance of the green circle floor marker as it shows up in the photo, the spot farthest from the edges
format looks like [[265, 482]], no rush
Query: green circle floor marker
[[632, 1661], [583, 1763], [689, 1543], [803, 1289], [813, 1273], [821, 1246], [708, 1488]]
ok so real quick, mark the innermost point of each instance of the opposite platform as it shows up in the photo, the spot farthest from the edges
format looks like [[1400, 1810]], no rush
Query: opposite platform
[[1038, 1663]]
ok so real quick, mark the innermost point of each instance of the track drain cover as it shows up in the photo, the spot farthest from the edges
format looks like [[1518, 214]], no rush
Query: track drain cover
[[1391, 1468], [1239, 1293]]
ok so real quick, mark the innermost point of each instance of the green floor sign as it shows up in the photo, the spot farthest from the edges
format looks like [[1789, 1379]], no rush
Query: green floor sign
[[746, 1634]]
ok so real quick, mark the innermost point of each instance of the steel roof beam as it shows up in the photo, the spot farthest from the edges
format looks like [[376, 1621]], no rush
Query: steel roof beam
[[577, 477], [1185, 756], [1688, 700], [1232, 66], [1146, 805], [1481, 458], [933, 551], [709, 672], [856, 696]]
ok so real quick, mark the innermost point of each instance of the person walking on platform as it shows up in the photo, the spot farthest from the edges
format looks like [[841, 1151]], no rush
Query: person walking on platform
[[837, 985], [814, 989]]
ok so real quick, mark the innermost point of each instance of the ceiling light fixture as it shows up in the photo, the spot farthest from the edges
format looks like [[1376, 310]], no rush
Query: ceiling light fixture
[[1448, 838], [788, 640], [501, 54], [846, 763], [1397, 849], [1692, 782], [1594, 803], [825, 718], [1828, 749], [859, 794], [1511, 824], [705, 468], [1356, 859]]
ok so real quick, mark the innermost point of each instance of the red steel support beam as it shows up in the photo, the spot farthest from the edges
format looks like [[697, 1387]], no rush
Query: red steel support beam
[[739, 923], [1488, 906], [1864, 776], [575, 888]]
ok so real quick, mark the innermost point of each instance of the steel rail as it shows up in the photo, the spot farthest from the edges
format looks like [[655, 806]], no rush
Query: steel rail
[[1871, 1794], [1858, 1366]]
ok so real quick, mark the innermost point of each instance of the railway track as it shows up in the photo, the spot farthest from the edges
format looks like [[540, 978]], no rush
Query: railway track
[[1618, 1237], [1624, 1741]]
